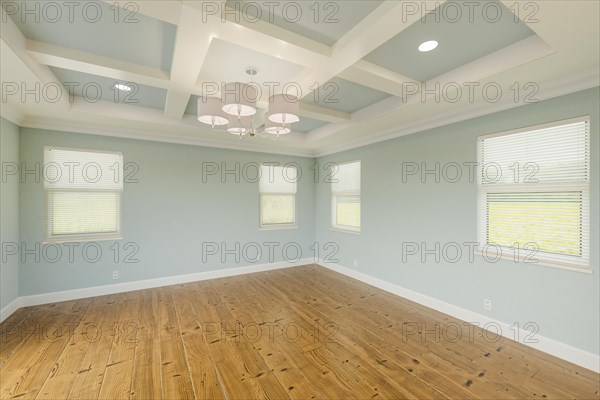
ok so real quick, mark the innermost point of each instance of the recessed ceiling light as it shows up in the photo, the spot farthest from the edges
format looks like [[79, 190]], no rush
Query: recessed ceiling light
[[428, 45], [122, 87]]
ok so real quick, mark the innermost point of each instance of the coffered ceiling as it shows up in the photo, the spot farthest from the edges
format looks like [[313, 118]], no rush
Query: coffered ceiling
[[355, 63]]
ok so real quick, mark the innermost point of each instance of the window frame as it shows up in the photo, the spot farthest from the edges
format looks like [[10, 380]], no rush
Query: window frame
[[277, 226], [81, 237], [543, 258], [334, 225]]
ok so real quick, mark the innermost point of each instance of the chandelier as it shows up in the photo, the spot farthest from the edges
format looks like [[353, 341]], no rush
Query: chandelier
[[237, 106]]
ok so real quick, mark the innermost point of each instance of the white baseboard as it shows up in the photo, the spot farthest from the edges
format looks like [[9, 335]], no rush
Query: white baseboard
[[566, 352], [10, 308], [54, 297]]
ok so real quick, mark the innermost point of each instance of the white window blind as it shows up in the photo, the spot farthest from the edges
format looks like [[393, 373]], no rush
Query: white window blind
[[277, 188], [345, 196], [534, 193], [82, 191]]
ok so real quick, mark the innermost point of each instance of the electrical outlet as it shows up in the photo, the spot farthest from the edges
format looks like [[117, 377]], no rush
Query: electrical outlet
[[115, 274], [356, 263], [487, 304]]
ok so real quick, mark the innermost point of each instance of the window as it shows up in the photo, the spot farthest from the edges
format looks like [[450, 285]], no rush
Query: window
[[82, 191], [277, 187], [345, 197], [534, 193]]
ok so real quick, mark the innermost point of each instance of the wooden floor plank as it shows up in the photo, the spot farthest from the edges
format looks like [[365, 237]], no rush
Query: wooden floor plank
[[405, 354], [325, 352], [234, 338], [236, 381], [27, 322], [26, 371], [477, 356], [263, 377], [90, 376], [374, 366], [118, 375], [63, 375], [263, 335], [146, 376], [452, 354], [175, 375], [200, 362]]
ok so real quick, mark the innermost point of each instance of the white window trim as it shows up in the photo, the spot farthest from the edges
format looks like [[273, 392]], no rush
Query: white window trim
[[334, 225], [120, 153], [82, 237], [509, 256], [551, 260], [277, 227]]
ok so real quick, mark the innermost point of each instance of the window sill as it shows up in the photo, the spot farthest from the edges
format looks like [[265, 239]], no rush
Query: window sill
[[276, 227], [540, 262], [86, 239], [345, 231]]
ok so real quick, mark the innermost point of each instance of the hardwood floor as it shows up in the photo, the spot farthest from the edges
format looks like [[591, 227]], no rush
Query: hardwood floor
[[299, 333]]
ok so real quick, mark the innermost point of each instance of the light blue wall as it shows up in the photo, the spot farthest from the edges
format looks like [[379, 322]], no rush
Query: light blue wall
[[168, 214], [564, 304], [9, 211]]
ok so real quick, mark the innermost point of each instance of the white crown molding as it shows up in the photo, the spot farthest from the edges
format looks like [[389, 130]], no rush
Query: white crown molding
[[567, 352], [144, 134], [54, 297], [9, 113], [581, 81]]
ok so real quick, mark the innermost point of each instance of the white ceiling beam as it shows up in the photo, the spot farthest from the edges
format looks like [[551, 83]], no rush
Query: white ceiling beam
[[190, 53], [517, 54], [16, 41], [376, 77], [385, 22], [176, 103], [323, 114], [61, 57], [230, 25], [237, 28], [578, 43], [544, 18], [191, 46]]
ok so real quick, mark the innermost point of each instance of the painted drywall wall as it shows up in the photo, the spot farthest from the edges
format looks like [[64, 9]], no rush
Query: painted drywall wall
[[9, 211], [564, 304], [168, 215], [170, 212]]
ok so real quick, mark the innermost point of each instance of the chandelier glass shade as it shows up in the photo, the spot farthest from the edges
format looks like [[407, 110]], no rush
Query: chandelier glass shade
[[240, 126], [275, 128], [237, 106], [284, 109], [239, 99], [210, 111]]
